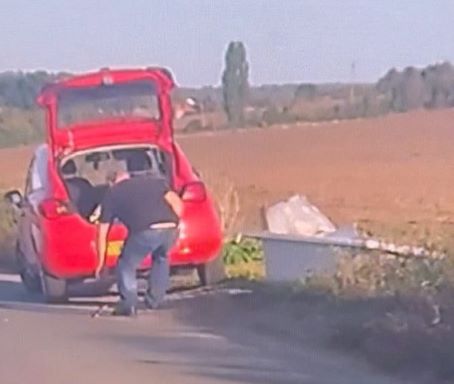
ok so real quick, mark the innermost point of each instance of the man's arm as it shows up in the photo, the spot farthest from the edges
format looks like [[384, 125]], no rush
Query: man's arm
[[94, 216], [105, 219], [101, 244], [175, 202]]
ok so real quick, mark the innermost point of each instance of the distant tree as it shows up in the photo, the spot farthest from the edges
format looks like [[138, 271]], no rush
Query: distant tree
[[431, 87], [390, 86], [412, 89], [439, 81], [306, 91], [209, 105], [235, 83], [389, 81], [18, 89]]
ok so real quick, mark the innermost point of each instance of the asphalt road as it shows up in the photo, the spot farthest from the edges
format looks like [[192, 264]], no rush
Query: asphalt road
[[202, 336]]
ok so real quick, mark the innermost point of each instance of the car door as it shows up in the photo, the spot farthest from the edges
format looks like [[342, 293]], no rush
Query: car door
[[35, 191]]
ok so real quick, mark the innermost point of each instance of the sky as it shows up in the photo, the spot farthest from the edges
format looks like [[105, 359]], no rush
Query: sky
[[287, 41]]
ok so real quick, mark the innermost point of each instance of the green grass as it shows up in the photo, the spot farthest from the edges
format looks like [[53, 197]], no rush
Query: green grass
[[7, 234], [396, 313], [254, 270], [243, 258]]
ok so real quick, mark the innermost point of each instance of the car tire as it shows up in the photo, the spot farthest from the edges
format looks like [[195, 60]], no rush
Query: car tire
[[54, 289], [30, 279], [212, 272]]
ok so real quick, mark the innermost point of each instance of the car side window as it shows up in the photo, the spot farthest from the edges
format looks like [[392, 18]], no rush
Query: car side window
[[28, 181], [40, 170], [37, 173], [36, 182]]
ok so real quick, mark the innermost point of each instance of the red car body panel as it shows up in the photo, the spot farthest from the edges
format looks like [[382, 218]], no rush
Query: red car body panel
[[67, 240]]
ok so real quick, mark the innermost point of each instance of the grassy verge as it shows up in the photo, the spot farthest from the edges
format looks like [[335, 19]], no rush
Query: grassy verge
[[395, 312], [254, 270], [243, 258], [6, 236], [400, 334], [398, 312]]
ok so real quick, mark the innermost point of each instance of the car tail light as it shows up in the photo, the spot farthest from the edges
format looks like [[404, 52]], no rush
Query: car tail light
[[194, 192], [53, 208]]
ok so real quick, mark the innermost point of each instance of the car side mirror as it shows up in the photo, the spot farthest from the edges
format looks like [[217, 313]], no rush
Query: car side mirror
[[14, 198]]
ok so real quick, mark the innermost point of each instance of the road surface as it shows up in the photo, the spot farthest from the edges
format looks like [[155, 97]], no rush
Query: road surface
[[202, 336]]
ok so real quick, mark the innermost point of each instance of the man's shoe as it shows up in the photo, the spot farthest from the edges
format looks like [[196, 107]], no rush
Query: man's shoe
[[121, 310], [154, 304], [150, 303]]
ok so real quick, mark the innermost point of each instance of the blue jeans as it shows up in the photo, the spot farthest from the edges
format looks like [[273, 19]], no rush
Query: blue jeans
[[136, 248]]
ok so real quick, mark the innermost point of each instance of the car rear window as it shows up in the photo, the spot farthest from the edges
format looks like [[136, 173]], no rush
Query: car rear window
[[93, 104]]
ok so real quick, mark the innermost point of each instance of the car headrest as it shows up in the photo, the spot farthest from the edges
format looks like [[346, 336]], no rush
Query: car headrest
[[69, 169], [138, 162]]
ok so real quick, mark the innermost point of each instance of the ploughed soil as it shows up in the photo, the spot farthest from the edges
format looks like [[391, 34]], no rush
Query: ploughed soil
[[393, 170]]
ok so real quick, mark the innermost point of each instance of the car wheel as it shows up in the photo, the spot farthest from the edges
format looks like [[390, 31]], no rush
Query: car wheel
[[54, 290], [212, 272], [29, 278]]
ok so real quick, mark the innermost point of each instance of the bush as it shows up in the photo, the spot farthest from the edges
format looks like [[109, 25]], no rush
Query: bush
[[20, 126], [7, 235], [306, 91], [243, 258], [273, 116], [242, 250], [397, 312], [227, 200]]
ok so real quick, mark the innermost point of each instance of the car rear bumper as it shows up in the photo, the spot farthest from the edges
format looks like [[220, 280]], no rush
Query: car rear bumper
[[71, 253]]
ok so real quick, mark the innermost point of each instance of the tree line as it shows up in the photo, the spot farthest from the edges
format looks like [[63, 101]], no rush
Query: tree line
[[244, 105], [398, 91], [413, 88], [19, 89]]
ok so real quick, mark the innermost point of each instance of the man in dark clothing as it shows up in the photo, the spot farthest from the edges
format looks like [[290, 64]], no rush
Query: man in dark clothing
[[150, 210]]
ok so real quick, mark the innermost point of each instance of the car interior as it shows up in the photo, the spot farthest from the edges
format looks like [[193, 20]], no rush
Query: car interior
[[85, 175]]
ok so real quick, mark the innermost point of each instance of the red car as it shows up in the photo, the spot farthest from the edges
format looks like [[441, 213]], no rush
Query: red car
[[94, 120]]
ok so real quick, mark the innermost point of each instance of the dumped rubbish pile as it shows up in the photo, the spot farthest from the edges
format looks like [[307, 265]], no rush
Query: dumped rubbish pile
[[298, 217]]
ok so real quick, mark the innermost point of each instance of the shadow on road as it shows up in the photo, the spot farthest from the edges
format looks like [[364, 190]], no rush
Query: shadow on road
[[6, 269], [85, 298], [239, 372], [13, 296], [11, 290], [220, 334]]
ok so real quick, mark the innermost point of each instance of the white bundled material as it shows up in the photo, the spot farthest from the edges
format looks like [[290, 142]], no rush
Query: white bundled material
[[297, 216]]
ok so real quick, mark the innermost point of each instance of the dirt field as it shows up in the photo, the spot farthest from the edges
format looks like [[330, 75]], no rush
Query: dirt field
[[393, 170]]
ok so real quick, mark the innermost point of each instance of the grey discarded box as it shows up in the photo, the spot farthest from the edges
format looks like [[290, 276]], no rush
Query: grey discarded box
[[289, 257], [302, 241]]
